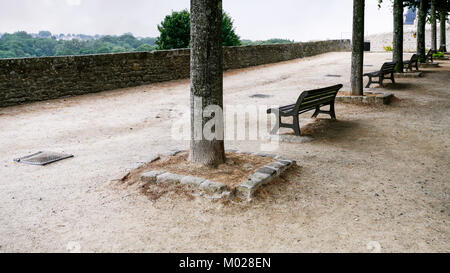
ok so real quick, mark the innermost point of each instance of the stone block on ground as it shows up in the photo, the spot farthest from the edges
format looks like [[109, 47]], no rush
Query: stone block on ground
[[377, 99], [415, 74], [192, 181], [168, 178], [150, 176], [212, 187], [266, 170], [260, 178], [277, 166], [247, 189]]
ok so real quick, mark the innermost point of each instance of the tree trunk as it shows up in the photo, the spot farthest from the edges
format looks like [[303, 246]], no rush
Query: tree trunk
[[357, 48], [206, 80], [398, 35], [421, 30], [443, 42], [433, 26]]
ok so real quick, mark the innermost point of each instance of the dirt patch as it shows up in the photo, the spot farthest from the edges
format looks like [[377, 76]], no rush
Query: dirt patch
[[235, 170]]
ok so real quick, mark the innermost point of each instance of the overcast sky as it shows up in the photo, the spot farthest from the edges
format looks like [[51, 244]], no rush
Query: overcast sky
[[300, 20]]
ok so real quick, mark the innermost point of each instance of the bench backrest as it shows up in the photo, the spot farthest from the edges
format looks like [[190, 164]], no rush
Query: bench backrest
[[388, 67], [311, 98], [414, 58]]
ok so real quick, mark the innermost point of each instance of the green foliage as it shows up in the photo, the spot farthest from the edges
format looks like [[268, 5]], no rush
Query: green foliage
[[268, 42], [387, 48], [229, 36], [175, 31], [44, 34], [21, 44], [145, 47], [438, 55]]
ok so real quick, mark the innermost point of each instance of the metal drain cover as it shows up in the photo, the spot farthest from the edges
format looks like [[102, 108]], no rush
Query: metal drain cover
[[260, 96], [42, 158], [333, 75]]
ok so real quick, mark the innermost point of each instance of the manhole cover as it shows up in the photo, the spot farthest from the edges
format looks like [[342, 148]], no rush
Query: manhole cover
[[260, 96], [42, 158], [333, 75]]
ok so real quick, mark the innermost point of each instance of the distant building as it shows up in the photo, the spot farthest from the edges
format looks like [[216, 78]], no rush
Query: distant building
[[410, 16], [410, 20]]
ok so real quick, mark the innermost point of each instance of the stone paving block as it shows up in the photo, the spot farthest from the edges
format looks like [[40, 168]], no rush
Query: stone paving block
[[286, 162], [211, 186], [247, 189], [168, 178], [266, 170], [150, 176], [262, 178], [277, 166], [192, 180]]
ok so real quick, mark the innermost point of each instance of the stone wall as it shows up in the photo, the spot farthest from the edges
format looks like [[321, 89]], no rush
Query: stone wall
[[378, 41], [34, 79]]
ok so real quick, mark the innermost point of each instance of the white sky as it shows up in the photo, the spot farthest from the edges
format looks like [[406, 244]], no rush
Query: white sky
[[300, 20]]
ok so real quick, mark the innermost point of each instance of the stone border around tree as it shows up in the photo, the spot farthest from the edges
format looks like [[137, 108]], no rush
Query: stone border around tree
[[415, 74], [429, 65], [212, 189], [380, 98]]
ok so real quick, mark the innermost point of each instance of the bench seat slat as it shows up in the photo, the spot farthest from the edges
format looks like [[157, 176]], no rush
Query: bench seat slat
[[319, 95]]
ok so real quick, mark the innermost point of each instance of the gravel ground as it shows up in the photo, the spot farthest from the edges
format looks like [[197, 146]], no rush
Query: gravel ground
[[375, 180]]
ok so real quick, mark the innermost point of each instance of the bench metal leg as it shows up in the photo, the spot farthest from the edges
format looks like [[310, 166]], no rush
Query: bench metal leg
[[296, 125], [316, 113], [392, 78], [332, 113], [380, 81], [370, 82]]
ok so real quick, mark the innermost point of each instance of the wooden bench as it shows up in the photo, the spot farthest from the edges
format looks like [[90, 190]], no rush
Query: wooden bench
[[413, 62], [307, 101], [386, 68]]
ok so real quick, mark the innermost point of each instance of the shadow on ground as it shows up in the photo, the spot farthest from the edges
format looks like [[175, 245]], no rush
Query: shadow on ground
[[327, 129]]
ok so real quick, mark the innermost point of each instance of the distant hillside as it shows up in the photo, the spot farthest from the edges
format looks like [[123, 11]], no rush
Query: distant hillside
[[22, 44], [267, 42]]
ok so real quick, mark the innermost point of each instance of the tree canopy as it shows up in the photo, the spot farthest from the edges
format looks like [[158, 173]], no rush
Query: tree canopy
[[175, 31], [267, 42], [22, 44]]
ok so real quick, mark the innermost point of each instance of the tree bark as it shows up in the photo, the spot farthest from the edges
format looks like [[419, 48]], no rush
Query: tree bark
[[433, 26], [206, 79], [421, 30], [357, 48], [398, 35], [443, 22]]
